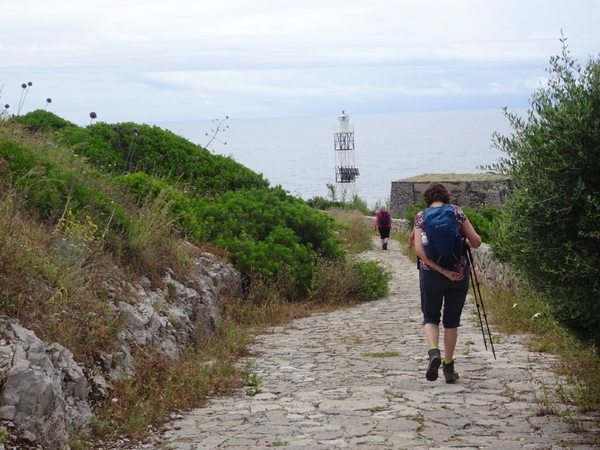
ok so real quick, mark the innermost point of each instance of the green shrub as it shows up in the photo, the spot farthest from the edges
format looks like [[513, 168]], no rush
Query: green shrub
[[372, 280], [412, 211], [40, 120], [348, 282], [129, 147], [269, 231], [324, 204], [206, 197], [45, 185], [549, 228], [482, 221]]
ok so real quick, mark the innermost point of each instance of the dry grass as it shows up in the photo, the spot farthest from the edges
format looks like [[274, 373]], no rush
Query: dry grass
[[518, 310], [50, 284], [357, 232], [161, 385], [455, 177], [263, 305]]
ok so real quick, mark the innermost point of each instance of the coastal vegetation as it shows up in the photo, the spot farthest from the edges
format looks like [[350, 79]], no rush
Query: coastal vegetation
[[85, 209], [549, 230]]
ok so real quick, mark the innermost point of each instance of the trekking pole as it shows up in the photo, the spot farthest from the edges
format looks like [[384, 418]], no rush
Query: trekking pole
[[477, 304], [476, 283]]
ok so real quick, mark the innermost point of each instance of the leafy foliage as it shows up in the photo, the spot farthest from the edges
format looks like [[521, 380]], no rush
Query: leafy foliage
[[40, 120], [270, 231], [482, 221], [129, 147], [50, 187], [372, 279], [413, 210], [207, 197], [324, 204], [549, 228]]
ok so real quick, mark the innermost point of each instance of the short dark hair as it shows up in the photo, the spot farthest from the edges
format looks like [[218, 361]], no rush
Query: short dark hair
[[436, 192]]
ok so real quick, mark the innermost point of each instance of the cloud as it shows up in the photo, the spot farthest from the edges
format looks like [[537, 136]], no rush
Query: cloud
[[183, 59], [127, 36]]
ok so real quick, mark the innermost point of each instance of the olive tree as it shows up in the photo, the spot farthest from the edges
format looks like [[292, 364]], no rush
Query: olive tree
[[550, 228]]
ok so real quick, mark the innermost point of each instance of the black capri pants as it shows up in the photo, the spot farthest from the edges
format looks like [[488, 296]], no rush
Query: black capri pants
[[384, 232], [439, 292]]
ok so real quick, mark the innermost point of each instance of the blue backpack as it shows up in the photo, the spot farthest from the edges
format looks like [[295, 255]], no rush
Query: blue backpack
[[445, 242]]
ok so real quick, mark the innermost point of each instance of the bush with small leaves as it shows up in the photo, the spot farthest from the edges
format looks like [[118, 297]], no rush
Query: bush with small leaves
[[549, 229]]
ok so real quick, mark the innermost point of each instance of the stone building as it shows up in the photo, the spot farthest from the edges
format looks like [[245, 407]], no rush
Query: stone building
[[472, 190]]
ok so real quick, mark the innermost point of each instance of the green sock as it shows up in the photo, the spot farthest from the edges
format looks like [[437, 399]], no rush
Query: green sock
[[448, 362], [433, 347]]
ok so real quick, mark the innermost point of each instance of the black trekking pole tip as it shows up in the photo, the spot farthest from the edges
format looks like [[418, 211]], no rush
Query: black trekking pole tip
[[478, 308], [474, 274]]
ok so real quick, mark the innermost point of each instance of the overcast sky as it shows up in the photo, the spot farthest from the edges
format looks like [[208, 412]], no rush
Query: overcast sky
[[150, 61]]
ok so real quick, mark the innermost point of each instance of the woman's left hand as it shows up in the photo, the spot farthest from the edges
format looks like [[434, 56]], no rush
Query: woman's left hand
[[452, 275]]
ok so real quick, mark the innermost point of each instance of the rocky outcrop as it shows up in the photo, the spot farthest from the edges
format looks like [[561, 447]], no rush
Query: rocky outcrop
[[45, 391], [46, 395]]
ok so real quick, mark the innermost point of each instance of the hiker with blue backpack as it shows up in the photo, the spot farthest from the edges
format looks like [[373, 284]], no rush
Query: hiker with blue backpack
[[383, 223], [442, 232]]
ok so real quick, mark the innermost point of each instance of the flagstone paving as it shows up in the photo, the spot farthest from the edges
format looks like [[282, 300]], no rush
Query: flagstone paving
[[355, 379]]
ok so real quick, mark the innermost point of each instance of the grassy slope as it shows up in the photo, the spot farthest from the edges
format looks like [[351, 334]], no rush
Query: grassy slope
[[72, 228]]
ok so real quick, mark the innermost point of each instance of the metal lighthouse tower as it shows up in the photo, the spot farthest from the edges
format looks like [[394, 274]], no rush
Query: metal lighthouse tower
[[343, 146]]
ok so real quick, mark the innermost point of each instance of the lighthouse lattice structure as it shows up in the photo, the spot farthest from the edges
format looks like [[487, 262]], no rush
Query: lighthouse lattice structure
[[343, 142]]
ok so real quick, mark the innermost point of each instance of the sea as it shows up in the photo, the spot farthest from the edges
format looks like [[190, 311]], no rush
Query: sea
[[298, 152]]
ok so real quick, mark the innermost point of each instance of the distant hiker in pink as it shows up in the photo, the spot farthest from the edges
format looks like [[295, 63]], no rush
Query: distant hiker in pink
[[383, 222]]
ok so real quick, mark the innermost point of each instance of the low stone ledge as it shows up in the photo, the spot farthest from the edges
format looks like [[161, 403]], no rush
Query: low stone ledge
[[489, 270], [398, 225]]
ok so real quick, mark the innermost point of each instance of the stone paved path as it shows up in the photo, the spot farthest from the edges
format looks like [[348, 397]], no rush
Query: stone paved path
[[323, 386]]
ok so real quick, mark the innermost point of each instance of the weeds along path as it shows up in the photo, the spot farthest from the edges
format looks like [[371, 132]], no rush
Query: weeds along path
[[355, 378]]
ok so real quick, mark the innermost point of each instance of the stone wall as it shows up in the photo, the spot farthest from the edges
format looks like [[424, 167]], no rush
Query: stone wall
[[472, 190], [488, 269]]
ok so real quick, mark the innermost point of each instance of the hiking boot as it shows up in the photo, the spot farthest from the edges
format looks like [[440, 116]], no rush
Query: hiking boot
[[449, 374], [384, 246], [435, 360]]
